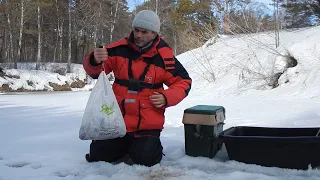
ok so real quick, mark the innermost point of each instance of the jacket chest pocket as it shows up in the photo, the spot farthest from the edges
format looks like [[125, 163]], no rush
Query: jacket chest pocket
[[151, 117], [131, 106]]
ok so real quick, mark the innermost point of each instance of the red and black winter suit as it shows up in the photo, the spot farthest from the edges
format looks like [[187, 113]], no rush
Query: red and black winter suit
[[138, 74]]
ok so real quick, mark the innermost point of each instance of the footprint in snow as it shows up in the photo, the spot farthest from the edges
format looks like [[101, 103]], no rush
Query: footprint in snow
[[162, 173], [17, 164], [65, 173], [1, 158], [35, 165], [62, 174]]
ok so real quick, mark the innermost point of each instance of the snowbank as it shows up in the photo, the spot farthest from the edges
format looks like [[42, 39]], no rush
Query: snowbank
[[242, 64], [51, 77]]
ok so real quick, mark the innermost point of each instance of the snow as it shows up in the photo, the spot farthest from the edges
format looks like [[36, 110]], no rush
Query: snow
[[244, 64], [39, 130], [36, 80], [39, 80]]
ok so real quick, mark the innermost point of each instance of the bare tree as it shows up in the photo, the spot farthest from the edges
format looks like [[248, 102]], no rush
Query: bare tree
[[39, 38], [10, 49], [175, 42], [20, 35], [113, 22], [69, 40], [59, 34], [276, 22], [249, 18], [223, 8], [156, 6]]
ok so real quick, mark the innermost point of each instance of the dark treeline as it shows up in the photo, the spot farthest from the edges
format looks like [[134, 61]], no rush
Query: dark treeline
[[64, 31]]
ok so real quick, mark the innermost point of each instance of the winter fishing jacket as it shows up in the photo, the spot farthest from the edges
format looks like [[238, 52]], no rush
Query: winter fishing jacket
[[138, 75]]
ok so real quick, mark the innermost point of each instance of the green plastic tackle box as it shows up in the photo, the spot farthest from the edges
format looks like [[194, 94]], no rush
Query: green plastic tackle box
[[202, 126]]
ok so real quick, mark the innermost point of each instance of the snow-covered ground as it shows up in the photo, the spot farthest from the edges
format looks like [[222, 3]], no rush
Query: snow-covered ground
[[39, 131], [28, 78], [243, 64], [39, 140]]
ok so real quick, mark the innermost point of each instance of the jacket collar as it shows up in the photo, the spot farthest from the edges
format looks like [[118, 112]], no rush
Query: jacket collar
[[147, 51]]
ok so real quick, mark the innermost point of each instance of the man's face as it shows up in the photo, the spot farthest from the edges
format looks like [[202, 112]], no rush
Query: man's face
[[142, 36]]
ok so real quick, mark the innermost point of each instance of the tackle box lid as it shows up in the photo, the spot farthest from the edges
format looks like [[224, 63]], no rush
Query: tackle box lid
[[204, 109]]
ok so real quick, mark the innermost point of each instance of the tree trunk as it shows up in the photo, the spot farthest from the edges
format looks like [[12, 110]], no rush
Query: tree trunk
[[226, 17], [69, 42], [55, 47], [5, 43], [156, 6], [114, 21], [175, 33], [20, 36], [10, 48], [76, 41], [39, 39], [60, 32], [2, 44], [57, 34], [95, 37], [276, 22], [278, 25], [85, 45], [175, 42]]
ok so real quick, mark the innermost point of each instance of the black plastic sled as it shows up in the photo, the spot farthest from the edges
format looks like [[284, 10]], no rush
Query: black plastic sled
[[293, 148]]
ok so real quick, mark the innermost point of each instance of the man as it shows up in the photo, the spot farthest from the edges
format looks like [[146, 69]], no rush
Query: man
[[141, 64]]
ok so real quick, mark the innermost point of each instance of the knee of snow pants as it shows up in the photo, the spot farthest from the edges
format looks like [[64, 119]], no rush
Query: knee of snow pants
[[108, 150], [146, 148]]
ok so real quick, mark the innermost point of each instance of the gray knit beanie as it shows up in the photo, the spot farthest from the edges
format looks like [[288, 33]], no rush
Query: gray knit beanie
[[147, 19]]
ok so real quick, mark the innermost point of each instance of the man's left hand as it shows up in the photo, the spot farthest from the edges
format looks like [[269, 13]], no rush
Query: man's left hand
[[158, 100]]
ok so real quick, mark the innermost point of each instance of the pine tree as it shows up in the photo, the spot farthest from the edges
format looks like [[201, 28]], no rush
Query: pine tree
[[301, 13]]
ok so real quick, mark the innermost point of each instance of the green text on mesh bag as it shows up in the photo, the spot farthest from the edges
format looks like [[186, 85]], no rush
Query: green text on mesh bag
[[106, 109]]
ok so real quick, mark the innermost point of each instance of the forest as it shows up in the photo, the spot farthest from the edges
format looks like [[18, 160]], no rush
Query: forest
[[64, 31]]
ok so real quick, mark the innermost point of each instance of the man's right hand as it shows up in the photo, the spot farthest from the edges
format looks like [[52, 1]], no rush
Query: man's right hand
[[100, 55]]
